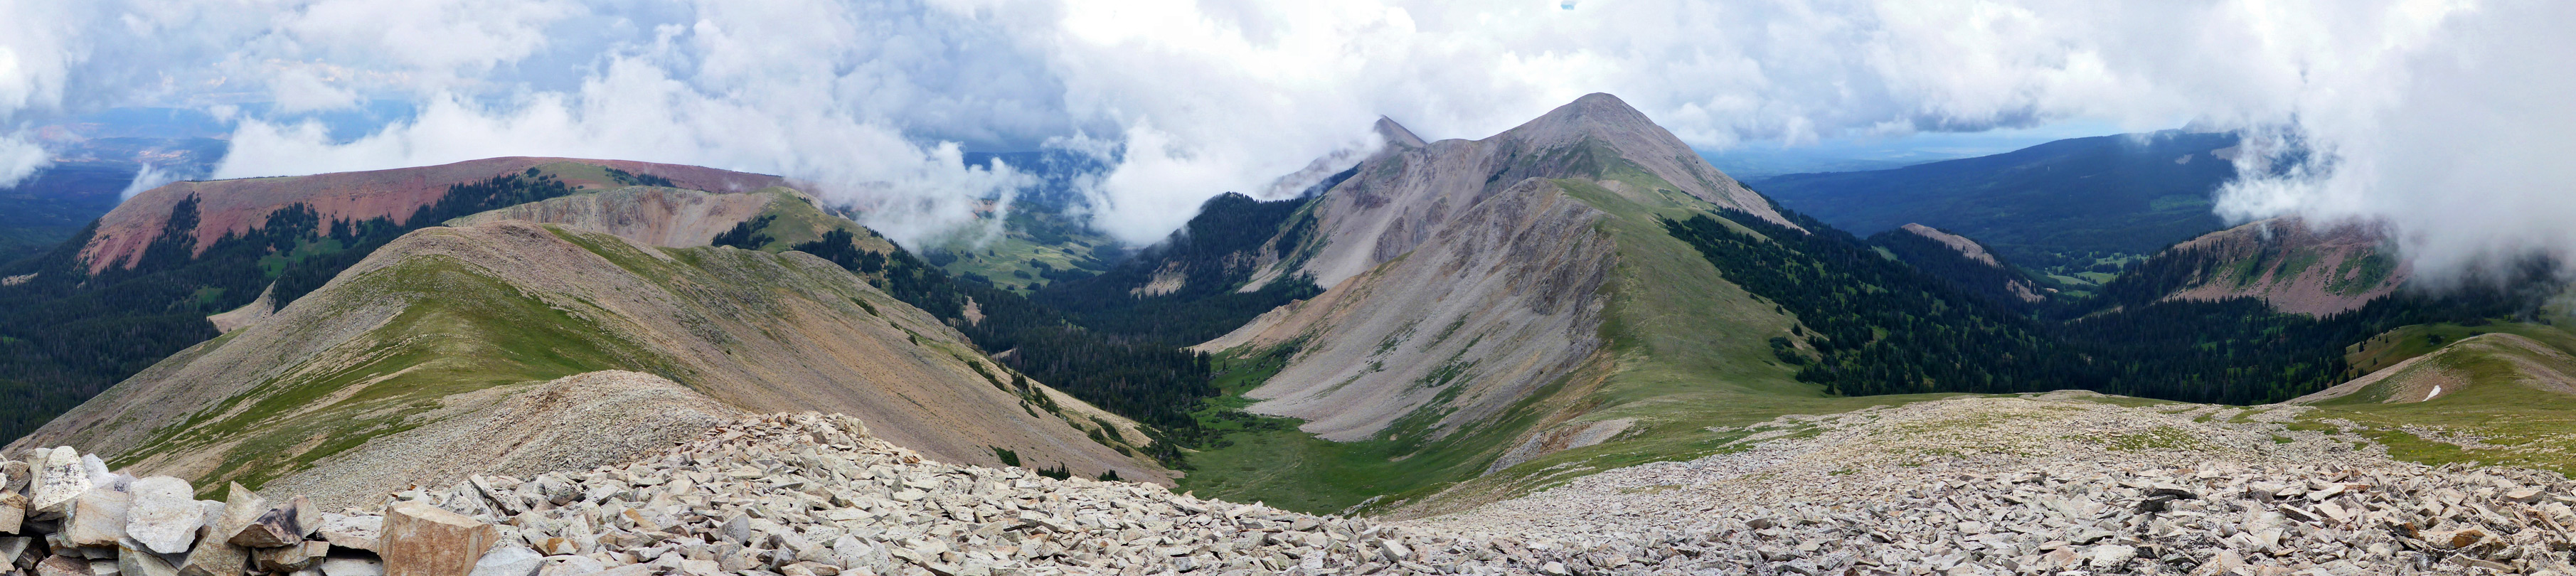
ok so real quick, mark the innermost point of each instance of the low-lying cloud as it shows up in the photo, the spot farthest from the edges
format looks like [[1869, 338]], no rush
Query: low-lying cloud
[[2439, 117]]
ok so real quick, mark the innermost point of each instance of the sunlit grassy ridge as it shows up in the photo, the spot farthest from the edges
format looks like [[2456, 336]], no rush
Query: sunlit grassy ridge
[[2504, 408]]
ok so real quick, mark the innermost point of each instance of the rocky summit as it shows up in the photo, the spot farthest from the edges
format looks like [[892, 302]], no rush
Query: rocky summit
[[2063, 483]]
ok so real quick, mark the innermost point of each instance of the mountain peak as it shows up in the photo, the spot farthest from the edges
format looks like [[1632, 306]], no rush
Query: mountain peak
[[1595, 109], [1397, 134]]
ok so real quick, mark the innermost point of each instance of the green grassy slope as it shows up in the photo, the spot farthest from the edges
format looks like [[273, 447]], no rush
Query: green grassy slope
[[464, 331], [2507, 414], [1033, 246]]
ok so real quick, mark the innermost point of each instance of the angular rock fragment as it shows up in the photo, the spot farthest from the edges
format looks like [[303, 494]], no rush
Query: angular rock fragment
[[13, 512], [352, 566], [97, 518], [423, 540], [358, 532], [164, 514], [298, 556], [280, 526], [508, 561], [60, 565], [132, 558], [14, 476], [59, 479]]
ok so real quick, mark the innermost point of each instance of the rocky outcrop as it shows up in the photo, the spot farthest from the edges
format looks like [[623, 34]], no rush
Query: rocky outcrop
[[456, 351], [233, 206], [1966, 248], [2295, 267], [1994, 278]]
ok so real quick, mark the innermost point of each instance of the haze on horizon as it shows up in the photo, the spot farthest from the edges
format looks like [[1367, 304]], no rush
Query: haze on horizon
[[2445, 119]]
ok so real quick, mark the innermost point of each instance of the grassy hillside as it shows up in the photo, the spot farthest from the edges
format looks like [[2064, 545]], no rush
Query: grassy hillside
[[2065, 207], [1029, 249], [450, 321], [2505, 398], [73, 333]]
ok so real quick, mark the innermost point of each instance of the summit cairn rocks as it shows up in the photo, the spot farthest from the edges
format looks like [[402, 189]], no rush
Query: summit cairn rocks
[[280, 526], [164, 515], [424, 540], [59, 479]]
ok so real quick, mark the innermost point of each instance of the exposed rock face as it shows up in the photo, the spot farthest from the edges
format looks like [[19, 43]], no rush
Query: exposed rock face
[[1464, 276], [1498, 302], [2291, 265], [649, 215], [443, 342], [1974, 251], [230, 206], [1966, 247], [1411, 191], [248, 314]]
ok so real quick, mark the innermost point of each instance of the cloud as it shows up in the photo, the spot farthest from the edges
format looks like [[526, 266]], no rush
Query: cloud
[[149, 177], [299, 89], [2458, 138], [20, 158], [2437, 115]]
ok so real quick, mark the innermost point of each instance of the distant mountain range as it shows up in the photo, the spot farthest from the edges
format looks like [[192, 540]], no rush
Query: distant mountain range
[[1445, 323], [2064, 207]]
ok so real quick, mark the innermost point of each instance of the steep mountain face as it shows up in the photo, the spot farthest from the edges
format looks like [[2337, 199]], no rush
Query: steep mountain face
[[1501, 300], [2288, 264], [1495, 301], [451, 329], [2068, 206], [1192, 287], [237, 206]]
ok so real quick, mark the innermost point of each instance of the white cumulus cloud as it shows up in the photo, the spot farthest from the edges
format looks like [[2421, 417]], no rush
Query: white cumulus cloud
[[2438, 116]]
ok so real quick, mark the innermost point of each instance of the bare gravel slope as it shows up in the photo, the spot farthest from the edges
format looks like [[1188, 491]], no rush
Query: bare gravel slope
[[650, 215]]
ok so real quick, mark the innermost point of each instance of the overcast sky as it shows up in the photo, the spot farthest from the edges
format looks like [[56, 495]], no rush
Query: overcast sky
[[2449, 119]]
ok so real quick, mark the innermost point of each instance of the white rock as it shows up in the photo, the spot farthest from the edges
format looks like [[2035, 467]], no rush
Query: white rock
[[570, 566], [353, 567], [97, 517], [132, 561], [508, 561], [164, 515], [59, 480]]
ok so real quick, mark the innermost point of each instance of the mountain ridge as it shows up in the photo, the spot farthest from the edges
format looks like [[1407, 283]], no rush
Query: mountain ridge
[[450, 311]]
